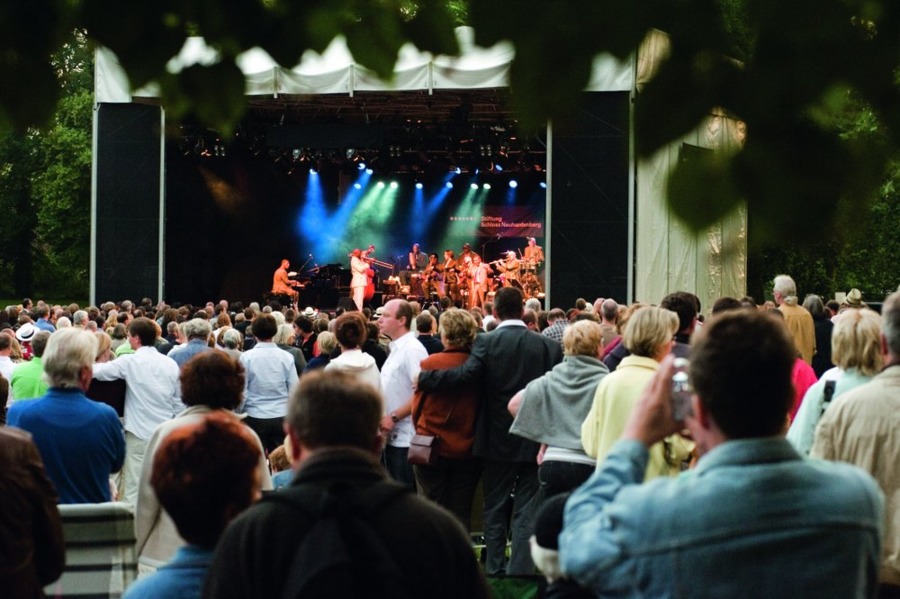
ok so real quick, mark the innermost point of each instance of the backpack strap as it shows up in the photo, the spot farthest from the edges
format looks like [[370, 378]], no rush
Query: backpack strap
[[828, 394], [341, 520]]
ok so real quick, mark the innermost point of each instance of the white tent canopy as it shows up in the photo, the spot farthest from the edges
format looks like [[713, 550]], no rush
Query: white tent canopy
[[335, 72]]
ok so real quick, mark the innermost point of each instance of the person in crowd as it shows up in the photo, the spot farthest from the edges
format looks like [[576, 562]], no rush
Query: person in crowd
[[152, 395], [753, 518], [860, 428], [203, 475], [856, 348], [550, 410], [284, 339], [373, 345], [803, 376], [32, 553], [270, 374], [41, 320], [616, 351], [327, 343], [685, 306], [80, 440], [398, 380], [112, 393], [232, 343], [502, 363], [823, 326], [282, 465], [557, 325], [24, 335], [7, 364], [351, 331], [649, 336], [27, 380], [425, 325], [306, 337], [210, 383], [449, 416], [197, 332], [798, 320], [723, 304], [609, 316], [333, 422]]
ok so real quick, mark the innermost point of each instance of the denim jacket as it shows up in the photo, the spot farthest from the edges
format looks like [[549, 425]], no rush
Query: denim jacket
[[753, 519]]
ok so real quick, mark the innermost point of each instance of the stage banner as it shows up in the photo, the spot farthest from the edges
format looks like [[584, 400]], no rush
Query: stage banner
[[498, 221]]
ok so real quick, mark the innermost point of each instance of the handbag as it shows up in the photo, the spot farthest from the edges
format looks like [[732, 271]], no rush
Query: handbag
[[423, 450]]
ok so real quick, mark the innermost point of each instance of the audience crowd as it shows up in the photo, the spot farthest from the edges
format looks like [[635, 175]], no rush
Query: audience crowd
[[553, 435]]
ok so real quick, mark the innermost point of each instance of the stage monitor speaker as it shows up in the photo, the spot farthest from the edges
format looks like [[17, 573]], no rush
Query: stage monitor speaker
[[589, 202], [128, 202]]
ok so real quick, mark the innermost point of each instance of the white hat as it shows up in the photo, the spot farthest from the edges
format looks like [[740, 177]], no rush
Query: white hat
[[26, 332], [379, 311], [308, 311]]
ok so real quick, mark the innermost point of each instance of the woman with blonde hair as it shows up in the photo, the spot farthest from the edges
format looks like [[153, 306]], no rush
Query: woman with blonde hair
[[856, 351], [449, 415], [551, 408], [649, 336]]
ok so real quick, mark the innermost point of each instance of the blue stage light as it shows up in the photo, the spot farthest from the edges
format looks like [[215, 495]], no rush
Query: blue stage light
[[513, 183], [419, 185]]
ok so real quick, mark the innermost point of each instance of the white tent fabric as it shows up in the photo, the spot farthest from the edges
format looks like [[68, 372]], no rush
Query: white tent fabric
[[669, 256], [335, 72]]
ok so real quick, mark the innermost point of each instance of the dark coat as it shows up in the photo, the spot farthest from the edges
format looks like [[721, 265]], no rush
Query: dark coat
[[502, 362]]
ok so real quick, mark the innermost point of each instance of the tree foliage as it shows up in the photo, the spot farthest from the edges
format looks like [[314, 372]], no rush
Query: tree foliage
[[798, 58], [815, 82], [45, 179]]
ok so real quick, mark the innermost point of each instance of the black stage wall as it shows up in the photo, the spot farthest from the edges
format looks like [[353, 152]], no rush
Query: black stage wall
[[127, 202], [589, 203], [228, 222]]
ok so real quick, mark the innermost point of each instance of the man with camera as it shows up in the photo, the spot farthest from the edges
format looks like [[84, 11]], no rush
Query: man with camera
[[753, 519]]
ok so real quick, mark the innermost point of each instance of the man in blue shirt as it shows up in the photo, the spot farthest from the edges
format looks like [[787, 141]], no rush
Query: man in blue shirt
[[80, 440], [753, 519]]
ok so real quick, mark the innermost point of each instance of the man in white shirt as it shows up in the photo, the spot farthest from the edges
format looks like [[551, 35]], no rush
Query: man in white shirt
[[152, 395], [398, 377], [269, 376]]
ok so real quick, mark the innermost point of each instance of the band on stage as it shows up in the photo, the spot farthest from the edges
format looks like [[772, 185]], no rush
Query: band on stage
[[467, 279]]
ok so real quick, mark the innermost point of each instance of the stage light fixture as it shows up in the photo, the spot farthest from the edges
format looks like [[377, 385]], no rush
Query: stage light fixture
[[457, 170], [380, 185], [394, 185], [513, 184], [486, 186], [369, 171], [419, 185], [449, 185], [362, 166], [474, 186], [313, 171], [357, 186], [543, 185]]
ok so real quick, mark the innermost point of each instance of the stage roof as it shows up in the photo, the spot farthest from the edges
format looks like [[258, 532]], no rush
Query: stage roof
[[335, 72]]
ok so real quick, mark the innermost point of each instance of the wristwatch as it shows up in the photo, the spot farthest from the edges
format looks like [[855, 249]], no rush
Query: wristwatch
[[394, 417]]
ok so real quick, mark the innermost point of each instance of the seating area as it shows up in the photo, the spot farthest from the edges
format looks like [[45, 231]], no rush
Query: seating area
[[100, 558]]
